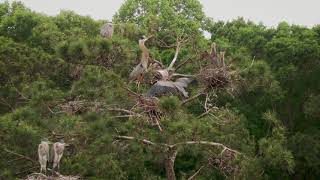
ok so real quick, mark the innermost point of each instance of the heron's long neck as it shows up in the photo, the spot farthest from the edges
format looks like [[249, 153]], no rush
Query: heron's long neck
[[145, 55]]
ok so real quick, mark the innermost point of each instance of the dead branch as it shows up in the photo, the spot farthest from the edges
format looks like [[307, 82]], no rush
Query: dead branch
[[192, 98], [20, 93], [207, 112], [125, 111], [144, 141], [183, 63], [162, 44], [175, 56], [209, 143], [27, 170], [4, 102], [131, 92], [182, 75], [172, 150], [21, 156], [195, 174]]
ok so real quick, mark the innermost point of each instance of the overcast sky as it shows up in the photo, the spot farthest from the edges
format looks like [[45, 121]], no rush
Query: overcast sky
[[269, 12]]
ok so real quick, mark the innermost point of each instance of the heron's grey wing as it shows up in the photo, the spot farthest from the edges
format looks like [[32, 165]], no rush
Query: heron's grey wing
[[183, 83], [136, 71], [182, 90], [161, 88]]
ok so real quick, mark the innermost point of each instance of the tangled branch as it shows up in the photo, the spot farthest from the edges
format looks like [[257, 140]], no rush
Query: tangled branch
[[172, 151]]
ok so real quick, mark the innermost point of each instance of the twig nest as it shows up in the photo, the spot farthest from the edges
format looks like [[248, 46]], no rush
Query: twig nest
[[215, 77], [40, 176]]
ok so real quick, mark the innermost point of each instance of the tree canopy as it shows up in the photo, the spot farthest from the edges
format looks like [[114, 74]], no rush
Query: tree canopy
[[251, 110]]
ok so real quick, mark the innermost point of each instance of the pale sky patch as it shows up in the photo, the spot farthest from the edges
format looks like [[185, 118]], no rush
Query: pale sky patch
[[269, 12]]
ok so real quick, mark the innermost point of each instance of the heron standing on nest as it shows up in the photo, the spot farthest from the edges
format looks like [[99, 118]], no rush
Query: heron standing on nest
[[43, 153], [140, 69], [58, 149]]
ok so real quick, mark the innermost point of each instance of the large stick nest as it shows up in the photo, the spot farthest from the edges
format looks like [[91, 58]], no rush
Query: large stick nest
[[40, 176], [149, 107], [215, 77], [225, 162]]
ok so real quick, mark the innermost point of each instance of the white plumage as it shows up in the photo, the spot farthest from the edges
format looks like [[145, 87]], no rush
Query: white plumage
[[43, 153], [58, 149]]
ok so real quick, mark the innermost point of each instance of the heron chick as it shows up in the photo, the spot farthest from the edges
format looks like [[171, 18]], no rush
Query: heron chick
[[43, 153], [58, 149]]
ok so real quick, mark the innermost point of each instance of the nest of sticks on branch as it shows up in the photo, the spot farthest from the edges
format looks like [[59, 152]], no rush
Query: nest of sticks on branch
[[218, 75], [76, 105], [56, 176], [225, 163], [145, 108], [215, 77], [106, 60], [149, 106]]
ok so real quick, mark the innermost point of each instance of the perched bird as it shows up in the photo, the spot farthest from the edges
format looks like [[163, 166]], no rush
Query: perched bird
[[214, 55], [58, 149], [107, 30], [43, 153], [169, 87], [138, 71]]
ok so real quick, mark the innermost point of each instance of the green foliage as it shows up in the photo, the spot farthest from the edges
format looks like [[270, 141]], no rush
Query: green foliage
[[49, 64], [175, 18], [273, 148], [18, 22], [169, 104], [312, 105]]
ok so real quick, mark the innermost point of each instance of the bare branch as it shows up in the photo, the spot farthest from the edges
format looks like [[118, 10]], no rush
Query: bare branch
[[144, 141], [21, 156], [130, 91], [27, 170], [4, 102], [131, 113], [195, 174], [209, 143], [205, 143], [175, 56], [192, 98], [182, 75], [172, 150], [183, 63], [165, 45]]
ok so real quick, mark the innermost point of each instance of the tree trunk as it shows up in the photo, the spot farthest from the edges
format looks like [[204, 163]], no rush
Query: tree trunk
[[171, 157]]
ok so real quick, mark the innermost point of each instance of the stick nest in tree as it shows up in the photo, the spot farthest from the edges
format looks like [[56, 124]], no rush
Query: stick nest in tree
[[150, 107], [40, 176], [215, 77], [225, 162]]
